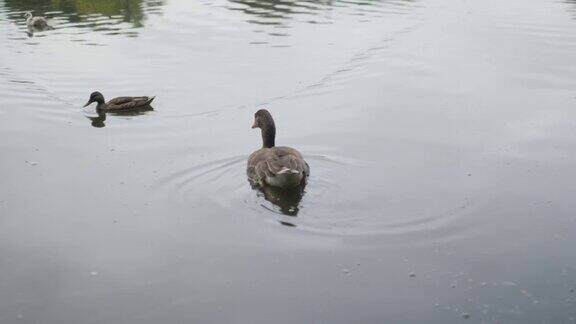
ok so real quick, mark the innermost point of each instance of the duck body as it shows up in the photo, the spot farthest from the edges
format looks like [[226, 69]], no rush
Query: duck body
[[277, 166], [127, 103], [120, 103]]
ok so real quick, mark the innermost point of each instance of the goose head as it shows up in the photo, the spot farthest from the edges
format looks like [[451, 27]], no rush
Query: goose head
[[263, 120]]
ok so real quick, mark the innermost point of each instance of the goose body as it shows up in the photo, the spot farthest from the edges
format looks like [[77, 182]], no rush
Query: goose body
[[37, 23], [277, 166], [120, 103]]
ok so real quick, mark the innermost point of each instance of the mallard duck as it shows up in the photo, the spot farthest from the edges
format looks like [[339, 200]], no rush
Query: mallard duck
[[120, 103], [277, 166], [38, 23]]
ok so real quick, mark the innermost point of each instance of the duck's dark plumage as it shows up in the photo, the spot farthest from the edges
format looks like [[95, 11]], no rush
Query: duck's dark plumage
[[119, 103], [125, 103]]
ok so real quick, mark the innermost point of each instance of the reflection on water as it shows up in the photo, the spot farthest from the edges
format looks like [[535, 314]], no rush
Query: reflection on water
[[443, 163], [572, 7], [287, 200], [31, 30], [107, 16], [99, 120], [275, 12]]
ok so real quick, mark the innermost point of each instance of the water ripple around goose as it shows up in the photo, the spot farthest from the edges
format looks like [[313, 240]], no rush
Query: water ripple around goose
[[223, 184]]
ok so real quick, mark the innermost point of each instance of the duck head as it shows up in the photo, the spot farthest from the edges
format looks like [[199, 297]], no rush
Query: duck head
[[28, 15], [263, 120], [95, 97]]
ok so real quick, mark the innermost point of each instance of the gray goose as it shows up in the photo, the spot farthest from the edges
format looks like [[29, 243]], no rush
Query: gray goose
[[277, 166], [120, 103]]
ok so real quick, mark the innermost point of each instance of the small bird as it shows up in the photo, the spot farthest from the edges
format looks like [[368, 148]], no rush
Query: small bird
[[120, 103], [277, 166], [36, 23]]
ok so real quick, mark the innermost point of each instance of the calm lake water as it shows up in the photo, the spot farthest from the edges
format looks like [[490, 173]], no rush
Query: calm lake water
[[441, 137]]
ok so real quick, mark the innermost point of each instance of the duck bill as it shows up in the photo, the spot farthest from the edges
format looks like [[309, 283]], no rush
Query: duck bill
[[254, 125], [87, 104]]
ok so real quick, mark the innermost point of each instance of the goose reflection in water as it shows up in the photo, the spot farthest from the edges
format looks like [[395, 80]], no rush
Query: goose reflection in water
[[99, 120], [286, 200]]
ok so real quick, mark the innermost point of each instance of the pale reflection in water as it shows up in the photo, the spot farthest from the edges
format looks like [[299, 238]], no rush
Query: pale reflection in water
[[31, 30]]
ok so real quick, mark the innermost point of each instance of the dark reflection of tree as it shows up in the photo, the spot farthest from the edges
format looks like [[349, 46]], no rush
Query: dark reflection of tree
[[572, 7], [130, 11], [278, 9], [273, 12]]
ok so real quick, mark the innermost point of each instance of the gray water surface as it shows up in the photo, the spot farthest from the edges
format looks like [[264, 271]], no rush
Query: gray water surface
[[441, 137]]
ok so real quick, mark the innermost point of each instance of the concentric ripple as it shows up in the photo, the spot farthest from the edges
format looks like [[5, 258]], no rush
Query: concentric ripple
[[329, 205]]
